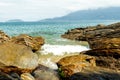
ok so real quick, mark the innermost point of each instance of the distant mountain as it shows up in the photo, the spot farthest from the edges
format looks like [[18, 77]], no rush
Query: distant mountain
[[112, 13], [15, 20]]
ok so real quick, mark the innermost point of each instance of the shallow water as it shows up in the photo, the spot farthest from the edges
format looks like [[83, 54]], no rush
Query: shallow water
[[51, 31]]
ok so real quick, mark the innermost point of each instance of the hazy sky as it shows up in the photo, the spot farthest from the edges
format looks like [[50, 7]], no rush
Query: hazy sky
[[31, 10]]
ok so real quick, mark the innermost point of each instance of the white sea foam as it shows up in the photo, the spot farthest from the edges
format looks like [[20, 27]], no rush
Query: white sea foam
[[62, 49]]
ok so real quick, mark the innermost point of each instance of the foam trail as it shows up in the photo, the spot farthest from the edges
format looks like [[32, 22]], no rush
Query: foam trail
[[62, 49]]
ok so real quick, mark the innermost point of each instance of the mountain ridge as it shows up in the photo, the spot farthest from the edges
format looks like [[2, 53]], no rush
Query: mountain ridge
[[111, 13]]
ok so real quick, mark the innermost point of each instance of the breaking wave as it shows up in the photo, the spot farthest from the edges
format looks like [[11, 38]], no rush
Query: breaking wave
[[62, 49]]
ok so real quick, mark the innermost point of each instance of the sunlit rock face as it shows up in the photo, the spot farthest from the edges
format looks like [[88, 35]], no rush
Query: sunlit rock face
[[34, 43], [73, 64], [17, 58]]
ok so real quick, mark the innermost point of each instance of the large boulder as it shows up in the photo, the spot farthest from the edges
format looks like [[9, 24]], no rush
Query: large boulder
[[84, 67], [73, 64], [17, 58], [92, 32], [34, 43]]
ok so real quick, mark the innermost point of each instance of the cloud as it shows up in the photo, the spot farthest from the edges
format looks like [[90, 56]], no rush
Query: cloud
[[3, 4], [91, 4], [40, 9]]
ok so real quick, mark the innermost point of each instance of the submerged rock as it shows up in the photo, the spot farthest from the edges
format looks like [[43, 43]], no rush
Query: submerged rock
[[34, 43], [17, 58]]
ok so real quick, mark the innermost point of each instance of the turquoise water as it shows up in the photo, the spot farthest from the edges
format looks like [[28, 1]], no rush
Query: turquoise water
[[51, 31]]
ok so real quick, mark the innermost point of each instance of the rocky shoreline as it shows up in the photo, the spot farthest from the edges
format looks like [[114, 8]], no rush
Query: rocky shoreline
[[19, 58], [102, 62]]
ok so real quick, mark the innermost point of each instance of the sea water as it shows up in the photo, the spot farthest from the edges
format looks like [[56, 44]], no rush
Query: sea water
[[55, 47], [51, 32]]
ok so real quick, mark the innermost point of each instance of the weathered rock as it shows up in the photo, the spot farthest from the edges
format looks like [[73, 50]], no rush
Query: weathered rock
[[27, 76], [87, 69], [3, 37], [73, 64], [75, 34], [17, 58], [44, 73], [108, 58], [104, 43], [34, 43], [93, 32]]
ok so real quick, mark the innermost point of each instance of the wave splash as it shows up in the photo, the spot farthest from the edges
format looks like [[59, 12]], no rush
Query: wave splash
[[62, 49]]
